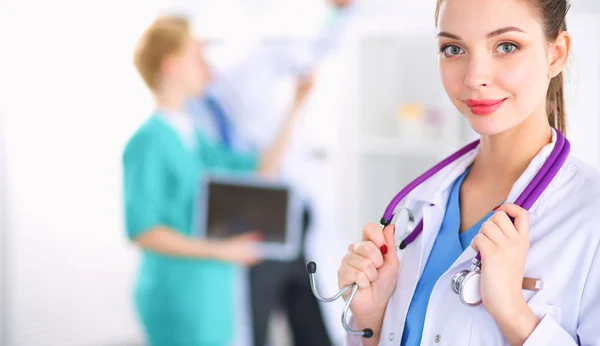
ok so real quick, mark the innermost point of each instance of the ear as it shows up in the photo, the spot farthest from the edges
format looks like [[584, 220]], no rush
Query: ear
[[168, 64], [558, 54]]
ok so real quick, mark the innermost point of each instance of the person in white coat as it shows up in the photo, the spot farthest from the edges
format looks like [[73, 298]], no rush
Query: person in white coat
[[241, 111], [501, 64]]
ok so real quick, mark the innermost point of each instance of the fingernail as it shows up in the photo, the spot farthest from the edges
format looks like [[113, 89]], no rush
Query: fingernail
[[496, 207], [383, 249]]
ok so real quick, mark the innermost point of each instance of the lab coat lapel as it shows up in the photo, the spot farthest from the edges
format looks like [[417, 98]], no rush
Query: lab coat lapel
[[436, 198], [408, 275], [433, 216], [432, 197]]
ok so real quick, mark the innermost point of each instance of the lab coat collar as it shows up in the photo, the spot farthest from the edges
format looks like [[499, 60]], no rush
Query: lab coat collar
[[528, 175], [435, 191]]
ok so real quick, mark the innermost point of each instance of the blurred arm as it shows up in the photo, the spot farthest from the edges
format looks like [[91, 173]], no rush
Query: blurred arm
[[166, 241], [293, 57], [272, 157], [269, 160]]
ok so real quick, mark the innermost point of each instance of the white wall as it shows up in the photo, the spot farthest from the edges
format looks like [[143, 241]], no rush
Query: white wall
[[71, 97], [583, 84], [3, 231]]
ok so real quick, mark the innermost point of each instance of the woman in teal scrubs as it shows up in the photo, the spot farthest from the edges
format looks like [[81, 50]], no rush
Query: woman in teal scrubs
[[183, 292]]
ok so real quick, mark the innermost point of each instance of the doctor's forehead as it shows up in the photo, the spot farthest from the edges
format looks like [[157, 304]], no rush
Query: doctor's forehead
[[475, 19]]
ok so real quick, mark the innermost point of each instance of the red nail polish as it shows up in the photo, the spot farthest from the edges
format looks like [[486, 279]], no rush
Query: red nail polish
[[496, 208], [383, 249]]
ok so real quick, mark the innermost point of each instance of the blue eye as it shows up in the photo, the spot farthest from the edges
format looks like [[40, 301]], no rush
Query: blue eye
[[452, 50], [506, 48]]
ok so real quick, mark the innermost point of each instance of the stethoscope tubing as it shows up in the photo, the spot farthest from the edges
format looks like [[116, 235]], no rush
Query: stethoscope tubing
[[526, 199]]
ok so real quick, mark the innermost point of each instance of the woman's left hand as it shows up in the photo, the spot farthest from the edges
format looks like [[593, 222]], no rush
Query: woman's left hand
[[503, 247]]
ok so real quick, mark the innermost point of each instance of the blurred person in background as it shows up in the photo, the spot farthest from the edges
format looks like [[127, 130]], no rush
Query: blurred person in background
[[239, 109], [183, 292]]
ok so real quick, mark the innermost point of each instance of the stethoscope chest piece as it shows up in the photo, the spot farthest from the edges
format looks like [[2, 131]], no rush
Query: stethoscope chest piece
[[466, 284], [457, 280]]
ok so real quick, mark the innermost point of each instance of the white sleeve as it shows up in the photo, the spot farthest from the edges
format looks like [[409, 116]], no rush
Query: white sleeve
[[328, 38], [298, 56], [550, 332]]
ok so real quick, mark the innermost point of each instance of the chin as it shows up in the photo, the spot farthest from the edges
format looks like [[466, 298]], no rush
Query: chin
[[488, 125], [484, 130]]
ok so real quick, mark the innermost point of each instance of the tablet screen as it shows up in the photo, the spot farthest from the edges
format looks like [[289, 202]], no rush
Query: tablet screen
[[235, 209]]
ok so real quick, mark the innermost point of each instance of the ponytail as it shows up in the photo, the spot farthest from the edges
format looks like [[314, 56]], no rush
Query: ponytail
[[555, 104]]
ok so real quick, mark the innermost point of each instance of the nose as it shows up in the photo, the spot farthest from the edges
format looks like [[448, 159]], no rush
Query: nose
[[479, 72]]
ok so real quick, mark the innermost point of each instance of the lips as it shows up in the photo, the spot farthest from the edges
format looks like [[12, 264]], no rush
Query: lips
[[484, 107]]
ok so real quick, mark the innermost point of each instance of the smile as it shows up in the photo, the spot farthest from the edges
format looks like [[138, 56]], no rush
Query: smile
[[484, 107]]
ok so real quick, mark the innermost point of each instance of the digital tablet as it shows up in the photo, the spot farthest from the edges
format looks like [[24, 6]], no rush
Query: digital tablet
[[234, 204]]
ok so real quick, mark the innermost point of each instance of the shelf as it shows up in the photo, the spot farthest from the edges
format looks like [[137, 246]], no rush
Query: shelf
[[401, 147]]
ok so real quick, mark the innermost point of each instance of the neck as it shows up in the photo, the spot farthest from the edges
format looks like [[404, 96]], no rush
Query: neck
[[170, 100], [503, 157]]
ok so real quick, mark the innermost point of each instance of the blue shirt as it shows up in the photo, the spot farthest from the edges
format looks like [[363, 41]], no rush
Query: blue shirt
[[448, 246]]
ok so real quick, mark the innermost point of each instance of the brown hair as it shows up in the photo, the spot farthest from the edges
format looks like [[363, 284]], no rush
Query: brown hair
[[165, 36], [552, 14]]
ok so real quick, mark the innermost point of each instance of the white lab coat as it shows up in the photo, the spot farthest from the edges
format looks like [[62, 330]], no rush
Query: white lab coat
[[564, 253], [256, 92]]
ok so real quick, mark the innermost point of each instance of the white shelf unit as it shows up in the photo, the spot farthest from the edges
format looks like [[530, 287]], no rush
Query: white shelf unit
[[389, 66]]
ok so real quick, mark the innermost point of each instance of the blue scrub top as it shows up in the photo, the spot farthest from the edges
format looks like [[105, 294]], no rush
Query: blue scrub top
[[448, 246]]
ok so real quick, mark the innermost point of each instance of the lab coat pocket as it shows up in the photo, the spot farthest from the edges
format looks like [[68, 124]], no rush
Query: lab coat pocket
[[541, 310], [485, 330]]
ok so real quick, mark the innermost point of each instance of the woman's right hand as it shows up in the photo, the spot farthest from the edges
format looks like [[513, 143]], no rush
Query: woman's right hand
[[304, 86], [373, 264]]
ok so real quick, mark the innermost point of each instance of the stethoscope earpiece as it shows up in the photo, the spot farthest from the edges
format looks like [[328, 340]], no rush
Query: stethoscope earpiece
[[311, 267]]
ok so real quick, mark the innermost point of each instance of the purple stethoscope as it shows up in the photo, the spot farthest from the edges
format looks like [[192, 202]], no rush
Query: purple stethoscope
[[465, 283]]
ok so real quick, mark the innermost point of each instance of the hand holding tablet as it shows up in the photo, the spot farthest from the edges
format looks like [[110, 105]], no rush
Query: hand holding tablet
[[231, 205]]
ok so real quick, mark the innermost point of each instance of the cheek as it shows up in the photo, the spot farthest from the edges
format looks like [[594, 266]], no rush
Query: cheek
[[524, 77], [203, 73], [453, 76], [194, 74]]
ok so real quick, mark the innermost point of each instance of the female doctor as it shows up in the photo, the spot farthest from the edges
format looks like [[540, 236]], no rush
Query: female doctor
[[500, 63]]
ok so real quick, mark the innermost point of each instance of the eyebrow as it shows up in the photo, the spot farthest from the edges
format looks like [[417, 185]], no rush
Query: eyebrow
[[490, 35]]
